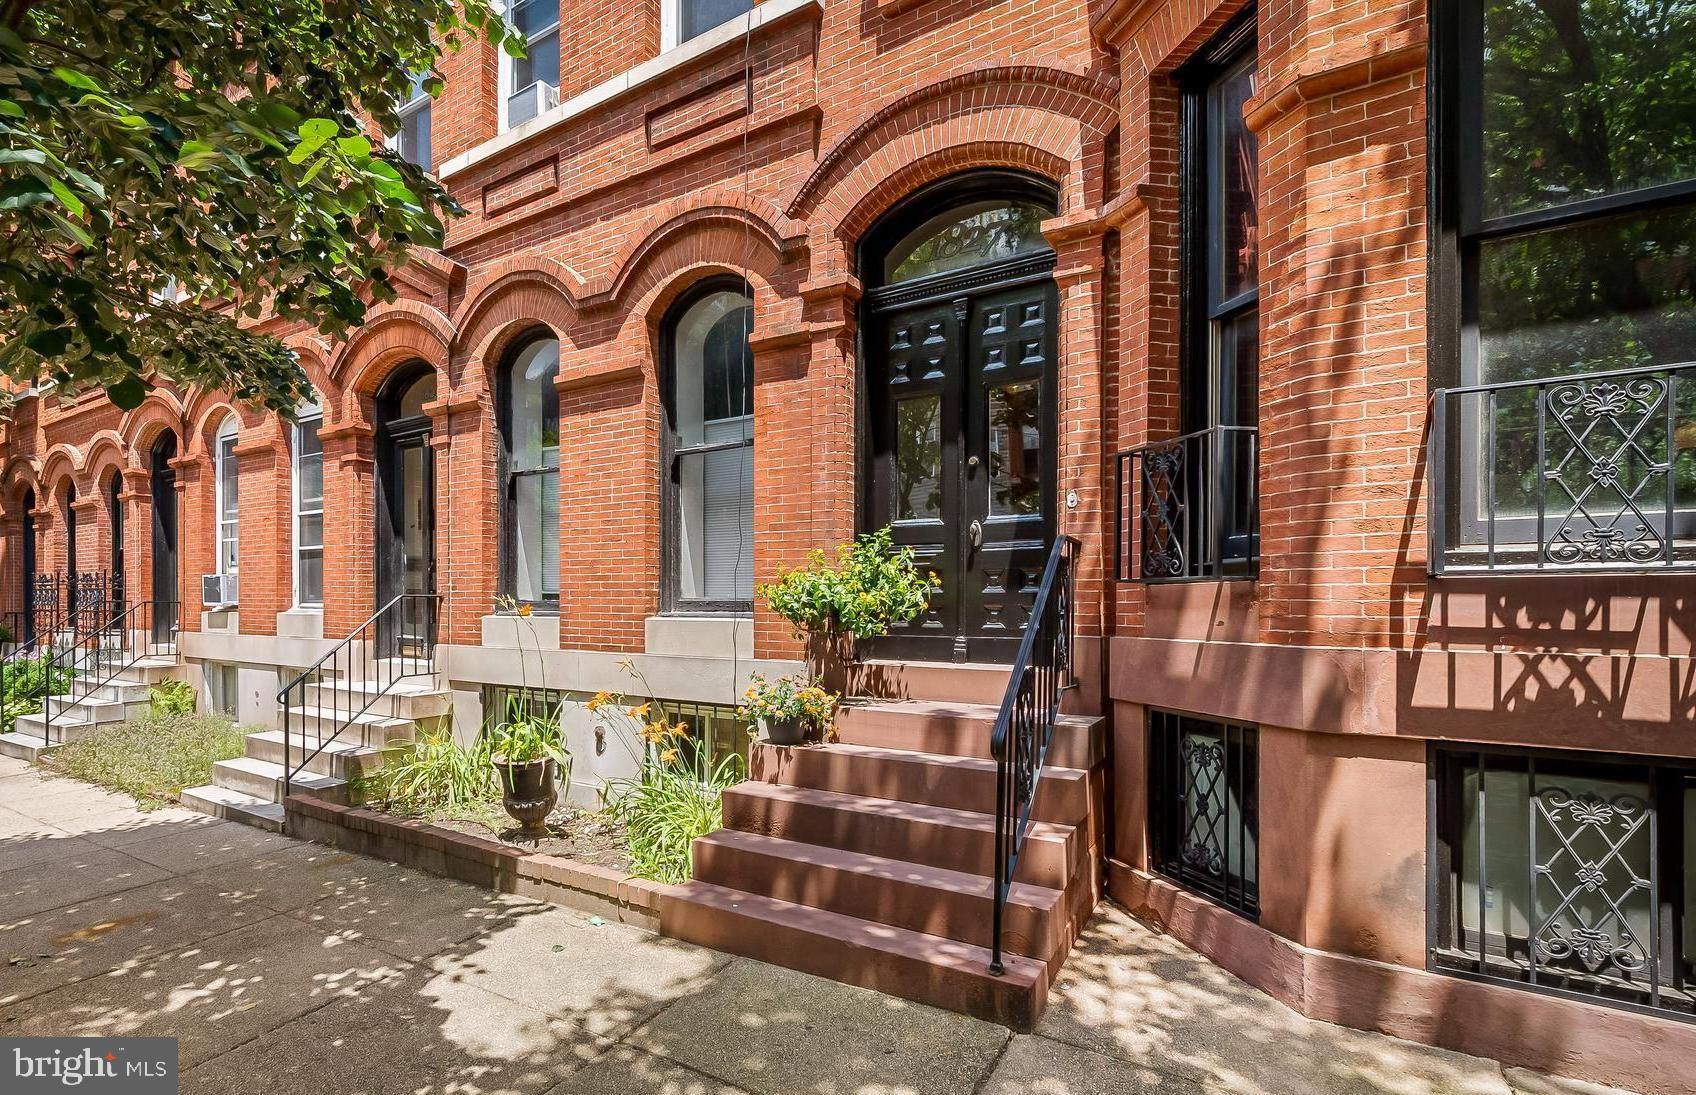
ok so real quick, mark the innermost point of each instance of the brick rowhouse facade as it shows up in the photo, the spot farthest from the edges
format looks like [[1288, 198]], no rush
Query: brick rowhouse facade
[[767, 149]]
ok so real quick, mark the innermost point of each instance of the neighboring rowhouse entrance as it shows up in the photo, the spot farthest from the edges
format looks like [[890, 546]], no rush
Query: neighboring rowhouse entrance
[[162, 488], [406, 509], [959, 342]]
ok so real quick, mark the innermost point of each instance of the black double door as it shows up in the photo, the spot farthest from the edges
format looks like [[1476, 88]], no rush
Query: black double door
[[406, 536], [961, 384], [163, 488]]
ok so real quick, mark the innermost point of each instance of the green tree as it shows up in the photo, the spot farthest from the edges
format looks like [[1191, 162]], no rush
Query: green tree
[[219, 146]]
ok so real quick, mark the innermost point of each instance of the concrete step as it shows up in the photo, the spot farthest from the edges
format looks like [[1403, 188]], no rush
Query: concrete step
[[935, 779], [62, 731], [85, 709], [961, 729], [935, 836], [232, 805], [913, 896], [122, 690], [23, 746], [264, 780], [345, 760], [927, 968], [410, 698], [318, 724], [951, 682]]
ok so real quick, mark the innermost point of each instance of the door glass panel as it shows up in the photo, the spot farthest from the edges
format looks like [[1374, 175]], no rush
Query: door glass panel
[[1015, 449], [918, 458], [415, 518], [1585, 98]]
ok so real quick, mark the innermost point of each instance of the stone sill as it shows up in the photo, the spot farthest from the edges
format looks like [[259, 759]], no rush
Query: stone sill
[[651, 72], [585, 887]]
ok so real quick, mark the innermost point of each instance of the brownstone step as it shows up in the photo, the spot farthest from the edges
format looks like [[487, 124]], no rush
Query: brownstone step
[[961, 729], [902, 894], [913, 965], [952, 682], [936, 836], [958, 783]]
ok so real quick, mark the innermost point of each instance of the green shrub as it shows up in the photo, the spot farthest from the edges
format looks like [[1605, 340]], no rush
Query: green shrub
[[433, 775], [667, 807], [171, 698], [870, 587], [23, 685], [153, 757]]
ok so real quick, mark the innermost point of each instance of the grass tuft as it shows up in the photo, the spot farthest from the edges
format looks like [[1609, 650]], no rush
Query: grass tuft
[[152, 758]]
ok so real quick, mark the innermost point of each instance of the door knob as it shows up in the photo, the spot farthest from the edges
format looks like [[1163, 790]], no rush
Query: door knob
[[972, 463], [975, 531]]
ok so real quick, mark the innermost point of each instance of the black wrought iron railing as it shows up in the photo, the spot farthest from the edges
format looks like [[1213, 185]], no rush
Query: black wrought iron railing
[[1042, 672], [1188, 508], [1565, 473], [398, 642], [100, 647], [25, 682]]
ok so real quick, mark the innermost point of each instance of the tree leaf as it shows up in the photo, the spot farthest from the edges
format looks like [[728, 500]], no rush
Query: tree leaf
[[128, 393]]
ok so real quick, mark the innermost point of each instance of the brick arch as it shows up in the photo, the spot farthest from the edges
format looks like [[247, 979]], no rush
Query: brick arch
[[315, 355], [61, 465], [106, 451], [207, 412], [403, 330], [1022, 116], [160, 411], [705, 250], [687, 214], [21, 473], [513, 296]]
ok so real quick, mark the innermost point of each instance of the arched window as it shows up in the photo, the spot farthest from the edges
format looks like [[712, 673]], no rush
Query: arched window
[[709, 402], [529, 406], [228, 501], [308, 477], [967, 235]]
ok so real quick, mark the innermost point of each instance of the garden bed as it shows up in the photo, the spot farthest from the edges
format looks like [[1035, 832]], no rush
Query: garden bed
[[447, 848], [587, 836]]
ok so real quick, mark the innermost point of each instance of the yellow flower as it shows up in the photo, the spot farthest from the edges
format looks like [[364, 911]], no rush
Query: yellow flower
[[524, 610], [599, 700], [637, 712], [668, 756], [681, 730], [654, 732]]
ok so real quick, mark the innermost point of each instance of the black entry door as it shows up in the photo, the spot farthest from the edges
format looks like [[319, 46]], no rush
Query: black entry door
[[406, 538], [164, 492], [961, 384]]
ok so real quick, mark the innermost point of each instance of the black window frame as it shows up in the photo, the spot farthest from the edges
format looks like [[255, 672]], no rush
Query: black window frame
[[1454, 180], [1168, 793], [672, 601], [1448, 950], [507, 478]]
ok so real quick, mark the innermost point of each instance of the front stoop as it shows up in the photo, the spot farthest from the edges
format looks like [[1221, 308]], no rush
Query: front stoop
[[86, 708], [249, 788], [870, 861]]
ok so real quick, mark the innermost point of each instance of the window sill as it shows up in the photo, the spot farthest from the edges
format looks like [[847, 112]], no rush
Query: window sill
[[644, 75]]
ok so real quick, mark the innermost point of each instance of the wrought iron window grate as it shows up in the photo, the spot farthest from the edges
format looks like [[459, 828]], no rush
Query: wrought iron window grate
[[1188, 508], [1566, 473], [1567, 874], [1204, 807]]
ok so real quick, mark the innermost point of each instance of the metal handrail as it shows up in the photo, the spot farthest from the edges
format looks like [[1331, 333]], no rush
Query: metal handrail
[[1024, 726], [98, 653], [1188, 507], [361, 658]]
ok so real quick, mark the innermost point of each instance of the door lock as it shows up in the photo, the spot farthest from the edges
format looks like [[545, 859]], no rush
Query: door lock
[[975, 532], [972, 463]]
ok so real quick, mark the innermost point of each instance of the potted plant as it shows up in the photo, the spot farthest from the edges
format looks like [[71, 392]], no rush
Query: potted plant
[[869, 588], [529, 755], [789, 709]]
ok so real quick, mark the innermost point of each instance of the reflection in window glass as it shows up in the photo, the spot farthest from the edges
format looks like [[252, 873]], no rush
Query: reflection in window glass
[[1235, 187], [229, 499], [1015, 449], [712, 377], [968, 235], [1584, 99], [918, 458], [309, 508], [700, 16], [532, 467], [417, 394]]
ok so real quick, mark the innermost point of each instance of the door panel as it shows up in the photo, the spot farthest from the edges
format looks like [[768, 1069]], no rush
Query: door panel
[[406, 548], [961, 410], [164, 507]]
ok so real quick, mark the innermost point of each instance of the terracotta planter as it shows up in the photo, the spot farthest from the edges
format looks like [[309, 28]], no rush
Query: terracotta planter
[[528, 792], [786, 731]]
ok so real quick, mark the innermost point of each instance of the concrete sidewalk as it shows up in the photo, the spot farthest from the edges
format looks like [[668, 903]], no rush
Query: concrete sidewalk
[[285, 967]]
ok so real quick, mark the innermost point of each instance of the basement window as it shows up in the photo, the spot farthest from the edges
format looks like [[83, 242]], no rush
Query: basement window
[[1204, 792]]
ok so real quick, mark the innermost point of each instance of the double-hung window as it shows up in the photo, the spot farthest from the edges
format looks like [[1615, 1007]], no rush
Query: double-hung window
[[308, 508], [228, 501], [1566, 209], [529, 406], [686, 19], [531, 85], [412, 136]]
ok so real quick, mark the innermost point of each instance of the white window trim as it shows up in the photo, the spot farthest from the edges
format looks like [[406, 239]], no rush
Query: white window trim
[[222, 456], [310, 413], [411, 107], [671, 23], [506, 90]]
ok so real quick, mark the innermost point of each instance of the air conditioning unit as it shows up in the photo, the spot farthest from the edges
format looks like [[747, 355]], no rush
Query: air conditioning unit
[[528, 102], [218, 590]]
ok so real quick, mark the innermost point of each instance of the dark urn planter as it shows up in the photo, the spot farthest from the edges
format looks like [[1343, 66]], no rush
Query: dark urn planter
[[786, 731], [528, 792]]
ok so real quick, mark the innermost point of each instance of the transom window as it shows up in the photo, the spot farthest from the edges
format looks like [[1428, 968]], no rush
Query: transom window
[[710, 451], [412, 138], [1569, 193], [532, 83], [1204, 807], [967, 235], [308, 507], [1570, 873], [228, 502], [530, 454]]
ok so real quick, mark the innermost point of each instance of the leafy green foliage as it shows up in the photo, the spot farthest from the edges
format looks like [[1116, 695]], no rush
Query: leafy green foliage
[[218, 146], [153, 757], [24, 686], [870, 587], [671, 803], [528, 734], [171, 698], [787, 699], [433, 774]]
